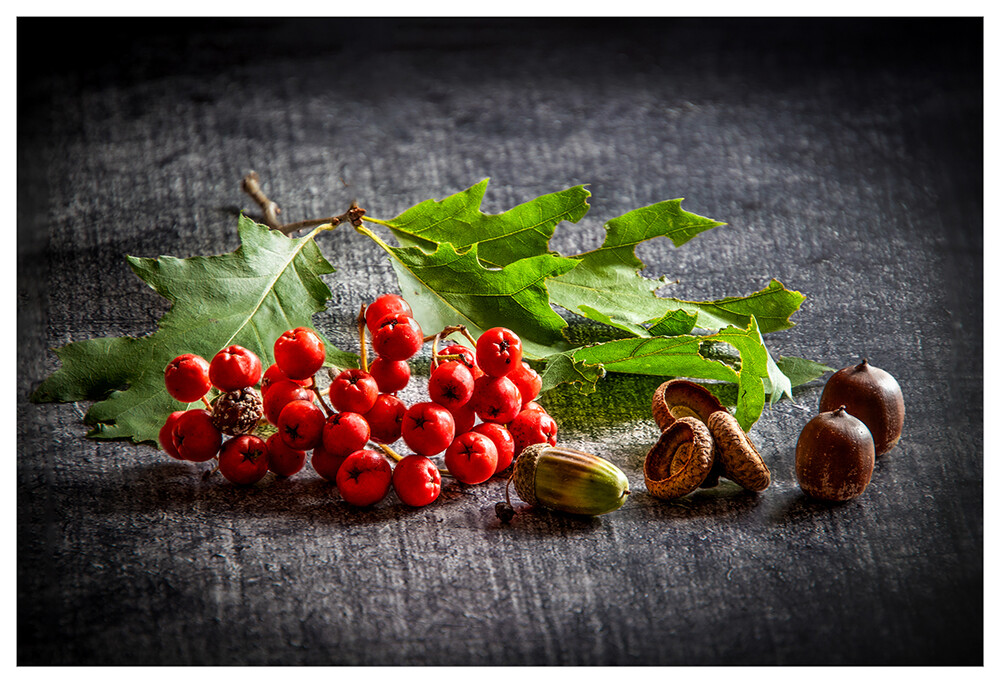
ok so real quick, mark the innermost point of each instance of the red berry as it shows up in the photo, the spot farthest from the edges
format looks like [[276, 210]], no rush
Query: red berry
[[428, 428], [397, 337], [186, 378], [326, 464], [390, 375], [353, 391], [273, 375], [532, 426], [450, 385], [281, 459], [235, 367], [383, 306], [417, 480], [464, 417], [301, 425], [364, 478], [299, 353], [195, 437], [471, 458], [385, 419], [496, 399], [528, 382], [501, 438], [533, 405], [243, 459], [467, 357], [281, 394], [167, 435], [345, 433], [498, 351]]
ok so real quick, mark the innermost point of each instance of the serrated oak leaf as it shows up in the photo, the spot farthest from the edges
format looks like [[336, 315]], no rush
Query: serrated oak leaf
[[270, 284], [677, 356], [503, 238], [448, 287]]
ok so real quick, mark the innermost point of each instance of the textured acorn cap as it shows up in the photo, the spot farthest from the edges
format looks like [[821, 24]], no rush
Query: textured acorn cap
[[678, 398], [680, 460], [740, 459], [524, 472]]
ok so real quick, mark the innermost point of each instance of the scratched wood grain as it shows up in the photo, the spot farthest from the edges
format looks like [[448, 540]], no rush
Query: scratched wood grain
[[845, 157]]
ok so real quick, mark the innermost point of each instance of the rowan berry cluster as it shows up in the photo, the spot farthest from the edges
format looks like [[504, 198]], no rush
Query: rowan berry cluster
[[480, 415]]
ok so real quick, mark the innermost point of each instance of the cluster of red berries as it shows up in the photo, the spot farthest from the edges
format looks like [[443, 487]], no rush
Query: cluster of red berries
[[491, 383]]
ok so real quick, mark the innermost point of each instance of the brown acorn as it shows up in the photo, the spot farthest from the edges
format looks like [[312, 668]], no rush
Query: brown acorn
[[680, 460], [678, 398], [873, 396], [834, 456]]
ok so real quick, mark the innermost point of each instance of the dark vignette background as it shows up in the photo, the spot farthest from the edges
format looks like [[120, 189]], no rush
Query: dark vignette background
[[845, 156]]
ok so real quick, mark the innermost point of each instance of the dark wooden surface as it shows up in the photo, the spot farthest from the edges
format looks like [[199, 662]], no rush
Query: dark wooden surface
[[846, 158]]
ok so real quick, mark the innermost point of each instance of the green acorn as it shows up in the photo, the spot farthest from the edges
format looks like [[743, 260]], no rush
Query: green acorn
[[567, 480]]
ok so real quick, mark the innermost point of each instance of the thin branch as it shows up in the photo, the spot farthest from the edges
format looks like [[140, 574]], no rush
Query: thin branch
[[251, 185]]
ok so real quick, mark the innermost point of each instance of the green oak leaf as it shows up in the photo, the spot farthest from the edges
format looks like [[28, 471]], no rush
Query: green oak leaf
[[801, 370], [771, 306], [449, 287], [502, 238], [607, 280], [677, 356], [250, 296]]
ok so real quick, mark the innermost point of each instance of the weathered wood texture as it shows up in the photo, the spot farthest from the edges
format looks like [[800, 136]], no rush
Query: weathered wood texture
[[846, 158]]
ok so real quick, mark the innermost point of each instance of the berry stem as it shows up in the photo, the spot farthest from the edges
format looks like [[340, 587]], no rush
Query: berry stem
[[319, 397], [205, 401], [362, 326], [390, 452]]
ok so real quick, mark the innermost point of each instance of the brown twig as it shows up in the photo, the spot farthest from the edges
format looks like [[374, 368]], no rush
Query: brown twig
[[251, 185], [362, 326]]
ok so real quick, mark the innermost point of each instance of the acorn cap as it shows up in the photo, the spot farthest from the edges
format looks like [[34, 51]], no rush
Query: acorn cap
[[740, 459], [524, 472], [678, 398], [680, 460]]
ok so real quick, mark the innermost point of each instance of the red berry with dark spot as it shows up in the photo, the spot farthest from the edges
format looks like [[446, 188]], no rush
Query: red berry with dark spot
[[501, 438], [364, 478], [243, 459], [345, 433], [428, 428], [532, 426], [280, 395], [417, 480], [166, 436], [385, 419], [281, 459], [299, 353], [301, 425], [383, 306], [326, 464], [471, 458], [498, 351], [235, 367], [195, 437], [186, 378], [390, 375], [533, 405], [528, 382], [450, 385], [464, 417], [353, 391], [496, 399], [273, 375], [397, 337], [466, 357]]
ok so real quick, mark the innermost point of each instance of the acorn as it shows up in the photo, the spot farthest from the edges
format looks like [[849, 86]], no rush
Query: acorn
[[568, 480], [834, 456], [873, 396]]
